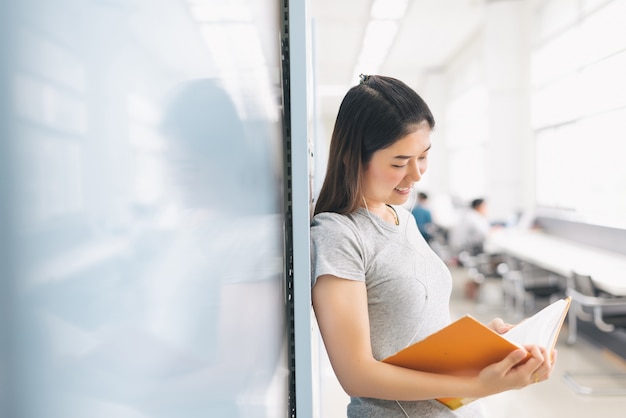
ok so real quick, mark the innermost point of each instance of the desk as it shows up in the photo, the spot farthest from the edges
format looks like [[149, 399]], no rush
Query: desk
[[561, 256]]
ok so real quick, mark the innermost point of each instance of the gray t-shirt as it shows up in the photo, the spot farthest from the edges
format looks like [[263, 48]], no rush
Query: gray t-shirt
[[408, 292]]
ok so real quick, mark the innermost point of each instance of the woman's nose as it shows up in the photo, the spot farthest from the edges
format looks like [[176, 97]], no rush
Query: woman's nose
[[415, 172]]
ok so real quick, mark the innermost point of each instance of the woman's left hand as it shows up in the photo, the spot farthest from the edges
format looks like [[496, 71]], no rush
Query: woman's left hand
[[499, 326]]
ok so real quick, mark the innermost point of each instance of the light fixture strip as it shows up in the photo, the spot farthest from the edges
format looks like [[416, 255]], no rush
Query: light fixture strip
[[379, 35]]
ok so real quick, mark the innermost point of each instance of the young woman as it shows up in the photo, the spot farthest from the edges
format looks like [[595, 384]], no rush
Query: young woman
[[377, 285]]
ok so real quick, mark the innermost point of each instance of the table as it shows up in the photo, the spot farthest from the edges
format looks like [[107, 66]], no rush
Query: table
[[561, 256]]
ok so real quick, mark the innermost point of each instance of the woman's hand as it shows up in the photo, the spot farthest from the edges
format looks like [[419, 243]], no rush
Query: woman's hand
[[499, 326], [522, 367]]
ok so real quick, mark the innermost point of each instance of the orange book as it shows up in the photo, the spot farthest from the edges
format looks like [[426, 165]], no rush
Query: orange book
[[466, 346]]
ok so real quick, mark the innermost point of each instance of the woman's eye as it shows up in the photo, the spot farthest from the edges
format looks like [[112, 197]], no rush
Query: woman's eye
[[399, 166]]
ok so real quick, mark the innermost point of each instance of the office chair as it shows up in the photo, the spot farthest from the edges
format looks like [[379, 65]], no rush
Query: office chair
[[480, 270], [608, 313], [524, 284]]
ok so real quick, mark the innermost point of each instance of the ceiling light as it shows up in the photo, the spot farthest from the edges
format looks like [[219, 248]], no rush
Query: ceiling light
[[388, 9], [379, 36]]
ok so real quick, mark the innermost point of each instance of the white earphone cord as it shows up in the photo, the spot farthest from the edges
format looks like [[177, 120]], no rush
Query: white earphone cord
[[415, 275], [405, 414]]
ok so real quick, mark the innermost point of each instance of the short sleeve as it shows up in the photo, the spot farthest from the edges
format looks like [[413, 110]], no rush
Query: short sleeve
[[336, 248]]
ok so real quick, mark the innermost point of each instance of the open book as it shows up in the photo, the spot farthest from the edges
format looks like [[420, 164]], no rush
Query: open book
[[466, 346]]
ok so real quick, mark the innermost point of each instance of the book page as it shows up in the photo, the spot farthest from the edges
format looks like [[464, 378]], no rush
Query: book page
[[542, 328]]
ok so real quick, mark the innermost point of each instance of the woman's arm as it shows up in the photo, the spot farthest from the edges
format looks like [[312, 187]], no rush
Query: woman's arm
[[341, 309]]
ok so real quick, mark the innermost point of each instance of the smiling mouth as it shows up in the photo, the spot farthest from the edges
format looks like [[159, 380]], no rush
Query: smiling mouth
[[402, 189]]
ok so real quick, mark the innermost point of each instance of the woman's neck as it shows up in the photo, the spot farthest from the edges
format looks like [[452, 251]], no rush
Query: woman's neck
[[383, 210]]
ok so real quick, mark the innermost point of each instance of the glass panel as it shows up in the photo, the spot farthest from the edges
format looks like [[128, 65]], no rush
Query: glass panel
[[602, 188], [557, 164], [591, 5], [146, 143], [557, 102], [604, 85], [580, 170], [598, 32], [556, 58], [553, 16]]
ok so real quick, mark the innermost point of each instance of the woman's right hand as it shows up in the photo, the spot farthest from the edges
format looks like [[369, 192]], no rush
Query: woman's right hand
[[515, 373]]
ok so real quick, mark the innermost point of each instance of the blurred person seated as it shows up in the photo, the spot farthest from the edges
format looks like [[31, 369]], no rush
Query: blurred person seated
[[467, 239], [471, 229], [443, 216], [423, 216]]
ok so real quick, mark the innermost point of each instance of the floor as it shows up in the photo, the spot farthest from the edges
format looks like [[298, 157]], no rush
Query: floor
[[551, 398]]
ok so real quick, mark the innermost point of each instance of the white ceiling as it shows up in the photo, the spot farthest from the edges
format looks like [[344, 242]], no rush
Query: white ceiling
[[429, 34]]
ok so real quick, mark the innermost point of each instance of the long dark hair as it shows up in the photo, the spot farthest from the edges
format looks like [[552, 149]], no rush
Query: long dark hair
[[372, 116]]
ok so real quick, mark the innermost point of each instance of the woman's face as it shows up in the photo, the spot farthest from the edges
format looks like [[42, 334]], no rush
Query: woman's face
[[392, 171]]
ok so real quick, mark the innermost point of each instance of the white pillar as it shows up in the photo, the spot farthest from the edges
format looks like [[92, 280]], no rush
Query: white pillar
[[506, 53], [434, 94]]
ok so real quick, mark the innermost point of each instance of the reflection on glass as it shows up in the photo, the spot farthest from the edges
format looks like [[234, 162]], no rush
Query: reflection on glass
[[148, 276]]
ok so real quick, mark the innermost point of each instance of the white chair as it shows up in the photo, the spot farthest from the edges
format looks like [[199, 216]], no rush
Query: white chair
[[607, 313]]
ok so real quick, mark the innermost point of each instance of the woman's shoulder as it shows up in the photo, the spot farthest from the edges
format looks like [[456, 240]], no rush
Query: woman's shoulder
[[330, 224], [331, 220]]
